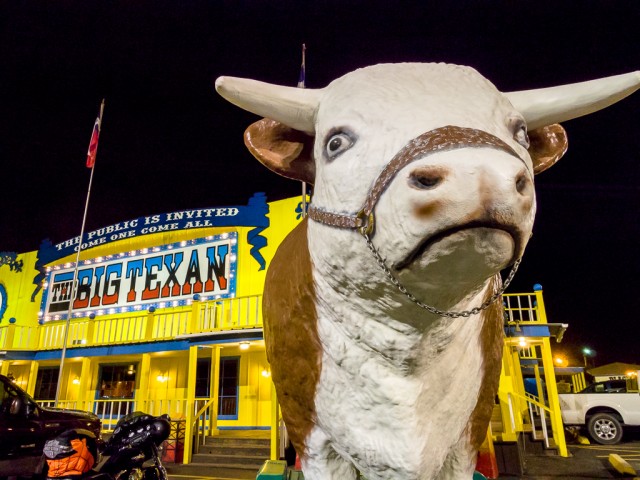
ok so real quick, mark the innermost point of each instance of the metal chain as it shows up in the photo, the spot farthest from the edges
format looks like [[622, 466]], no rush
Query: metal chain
[[434, 310]]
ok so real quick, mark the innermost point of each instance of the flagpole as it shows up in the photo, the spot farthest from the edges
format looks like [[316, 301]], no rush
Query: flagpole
[[302, 84], [75, 272]]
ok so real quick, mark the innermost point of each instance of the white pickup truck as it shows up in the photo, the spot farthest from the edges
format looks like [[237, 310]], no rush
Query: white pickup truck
[[605, 408]]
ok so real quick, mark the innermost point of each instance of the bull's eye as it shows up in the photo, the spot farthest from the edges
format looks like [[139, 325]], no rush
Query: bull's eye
[[521, 137], [337, 144], [520, 134]]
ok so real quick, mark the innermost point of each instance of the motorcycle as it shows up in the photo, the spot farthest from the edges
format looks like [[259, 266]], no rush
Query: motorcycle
[[132, 452]]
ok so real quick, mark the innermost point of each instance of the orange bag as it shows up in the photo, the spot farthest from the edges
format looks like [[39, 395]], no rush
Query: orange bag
[[74, 457]]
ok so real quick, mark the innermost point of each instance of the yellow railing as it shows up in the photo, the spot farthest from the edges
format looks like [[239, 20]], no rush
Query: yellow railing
[[203, 422], [241, 312], [523, 307], [111, 410], [162, 324]]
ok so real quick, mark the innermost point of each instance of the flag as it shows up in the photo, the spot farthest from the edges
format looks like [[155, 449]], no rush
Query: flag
[[301, 78], [93, 144]]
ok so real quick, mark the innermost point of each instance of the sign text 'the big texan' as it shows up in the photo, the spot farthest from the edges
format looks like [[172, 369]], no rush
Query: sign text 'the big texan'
[[169, 275]]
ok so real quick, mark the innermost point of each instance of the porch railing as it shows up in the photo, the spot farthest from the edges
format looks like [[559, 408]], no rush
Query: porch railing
[[522, 307], [109, 411], [162, 324]]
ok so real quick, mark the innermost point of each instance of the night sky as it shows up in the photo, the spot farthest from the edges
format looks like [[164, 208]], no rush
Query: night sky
[[169, 142]]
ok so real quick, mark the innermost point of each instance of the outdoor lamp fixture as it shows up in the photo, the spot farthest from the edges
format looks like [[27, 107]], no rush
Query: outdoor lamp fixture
[[587, 353], [266, 373], [522, 342], [76, 381], [131, 370], [244, 345], [163, 377]]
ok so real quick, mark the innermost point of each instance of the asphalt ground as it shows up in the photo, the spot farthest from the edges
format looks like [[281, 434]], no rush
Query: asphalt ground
[[584, 462]]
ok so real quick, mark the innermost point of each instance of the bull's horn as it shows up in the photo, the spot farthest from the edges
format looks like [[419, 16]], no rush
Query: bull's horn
[[546, 106], [294, 107]]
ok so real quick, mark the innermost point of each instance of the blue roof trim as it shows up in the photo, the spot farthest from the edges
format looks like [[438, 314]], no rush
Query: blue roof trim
[[113, 350], [226, 337], [18, 355], [136, 348], [528, 331], [524, 362]]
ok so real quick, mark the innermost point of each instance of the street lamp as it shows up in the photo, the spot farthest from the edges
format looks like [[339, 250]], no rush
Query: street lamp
[[560, 362], [587, 352]]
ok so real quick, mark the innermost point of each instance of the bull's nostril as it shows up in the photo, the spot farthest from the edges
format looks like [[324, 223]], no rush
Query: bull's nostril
[[522, 182], [424, 180]]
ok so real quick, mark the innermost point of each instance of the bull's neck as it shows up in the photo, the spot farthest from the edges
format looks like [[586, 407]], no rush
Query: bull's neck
[[377, 318]]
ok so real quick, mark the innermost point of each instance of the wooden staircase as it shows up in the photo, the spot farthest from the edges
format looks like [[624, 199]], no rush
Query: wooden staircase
[[228, 455]]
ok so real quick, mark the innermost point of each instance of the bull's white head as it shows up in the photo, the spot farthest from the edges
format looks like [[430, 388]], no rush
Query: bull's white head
[[459, 204]]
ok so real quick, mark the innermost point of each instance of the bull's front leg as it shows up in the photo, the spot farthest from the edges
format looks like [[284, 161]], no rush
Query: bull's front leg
[[460, 462], [322, 462]]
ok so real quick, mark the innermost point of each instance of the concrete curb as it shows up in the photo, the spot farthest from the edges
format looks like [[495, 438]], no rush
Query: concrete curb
[[621, 465]]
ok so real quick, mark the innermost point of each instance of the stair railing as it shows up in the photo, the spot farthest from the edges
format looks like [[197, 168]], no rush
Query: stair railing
[[200, 424], [534, 402]]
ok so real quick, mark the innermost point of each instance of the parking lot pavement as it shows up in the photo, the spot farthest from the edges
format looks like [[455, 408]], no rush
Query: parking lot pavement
[[629, 452], [585, 462], [205, 476]]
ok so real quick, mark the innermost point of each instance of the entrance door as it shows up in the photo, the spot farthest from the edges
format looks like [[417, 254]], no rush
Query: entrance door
[[228, 391]]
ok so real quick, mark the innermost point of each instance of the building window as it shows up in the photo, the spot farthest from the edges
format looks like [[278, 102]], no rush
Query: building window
[[203, 377], [116, 381], [228, 392], [46, 383]]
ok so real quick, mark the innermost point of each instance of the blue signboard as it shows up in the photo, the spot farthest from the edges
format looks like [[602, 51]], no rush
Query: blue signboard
[[163, 276], [254, 214]]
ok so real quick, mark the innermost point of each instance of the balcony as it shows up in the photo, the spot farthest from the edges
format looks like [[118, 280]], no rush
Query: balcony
[[159, 325]]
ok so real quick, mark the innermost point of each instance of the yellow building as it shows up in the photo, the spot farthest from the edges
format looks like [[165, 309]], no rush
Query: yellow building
[[167, 319]]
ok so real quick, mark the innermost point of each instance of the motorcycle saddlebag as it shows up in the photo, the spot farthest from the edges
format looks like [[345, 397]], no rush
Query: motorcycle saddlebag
[[70, 454]]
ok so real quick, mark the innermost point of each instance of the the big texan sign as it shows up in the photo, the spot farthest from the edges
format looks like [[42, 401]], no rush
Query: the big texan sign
[[167, 275], [254, 214]]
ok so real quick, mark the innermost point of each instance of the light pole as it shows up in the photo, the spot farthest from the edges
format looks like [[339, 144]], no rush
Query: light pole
[[587, 352]]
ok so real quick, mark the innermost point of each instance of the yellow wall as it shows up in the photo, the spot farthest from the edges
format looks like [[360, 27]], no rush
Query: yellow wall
[[254, 397], [20, 287]]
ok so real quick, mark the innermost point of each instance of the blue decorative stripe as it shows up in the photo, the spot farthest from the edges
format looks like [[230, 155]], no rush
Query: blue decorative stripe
[[136, 348], [231, 336], [244, 428], [528, 331], [3, 301]]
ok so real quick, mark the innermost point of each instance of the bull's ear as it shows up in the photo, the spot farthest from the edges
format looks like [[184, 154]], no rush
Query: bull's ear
[[286, 151], [547, 145]]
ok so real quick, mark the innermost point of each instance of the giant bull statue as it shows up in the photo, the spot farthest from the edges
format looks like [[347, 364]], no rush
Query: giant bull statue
[[382, 309]]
